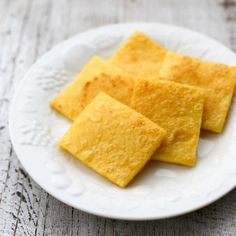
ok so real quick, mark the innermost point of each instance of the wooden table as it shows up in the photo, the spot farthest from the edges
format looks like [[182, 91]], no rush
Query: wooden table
[[28, 28]]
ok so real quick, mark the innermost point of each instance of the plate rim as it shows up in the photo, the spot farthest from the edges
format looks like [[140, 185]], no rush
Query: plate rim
[[44, 186]]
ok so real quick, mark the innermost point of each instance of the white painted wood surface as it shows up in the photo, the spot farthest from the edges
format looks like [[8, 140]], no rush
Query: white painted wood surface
[[28, 28]]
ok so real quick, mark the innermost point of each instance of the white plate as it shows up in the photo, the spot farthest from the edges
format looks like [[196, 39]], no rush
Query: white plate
[[161, 190]]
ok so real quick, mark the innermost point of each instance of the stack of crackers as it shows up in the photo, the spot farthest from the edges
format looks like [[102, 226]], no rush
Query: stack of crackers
[[145, 102]]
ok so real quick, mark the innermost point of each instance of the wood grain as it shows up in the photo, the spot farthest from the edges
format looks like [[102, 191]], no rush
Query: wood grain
[[28, 29]]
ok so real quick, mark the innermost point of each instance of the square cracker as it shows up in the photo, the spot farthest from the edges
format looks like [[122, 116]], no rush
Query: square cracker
[[216, 79], [97, 76], [178, 109], [140, 56], [112, 139]]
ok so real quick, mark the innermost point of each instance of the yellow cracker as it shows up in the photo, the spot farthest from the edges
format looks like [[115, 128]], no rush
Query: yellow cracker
[[140, 56], [218, 80], [178, 109], [112, 139], [97, 76]]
